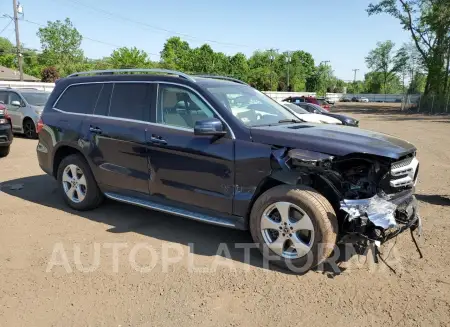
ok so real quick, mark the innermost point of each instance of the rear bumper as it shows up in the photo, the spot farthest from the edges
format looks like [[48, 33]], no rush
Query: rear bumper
[[6, 135], [44, 158]]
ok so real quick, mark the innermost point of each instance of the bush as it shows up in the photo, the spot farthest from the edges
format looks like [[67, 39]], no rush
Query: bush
[[49, 74]]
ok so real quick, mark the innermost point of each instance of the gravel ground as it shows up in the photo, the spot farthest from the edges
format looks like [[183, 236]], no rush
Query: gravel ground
[[38, 230]]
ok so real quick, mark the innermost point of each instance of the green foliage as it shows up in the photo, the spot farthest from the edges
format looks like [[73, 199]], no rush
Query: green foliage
[[123, 58], [6, 47], [428, 21], [60, 43]]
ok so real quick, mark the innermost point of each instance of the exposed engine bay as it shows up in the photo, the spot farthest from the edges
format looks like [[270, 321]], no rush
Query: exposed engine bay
[[372, 195]]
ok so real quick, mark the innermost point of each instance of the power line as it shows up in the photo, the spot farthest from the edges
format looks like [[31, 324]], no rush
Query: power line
[[88, 38], [7, 25], [113, 15]]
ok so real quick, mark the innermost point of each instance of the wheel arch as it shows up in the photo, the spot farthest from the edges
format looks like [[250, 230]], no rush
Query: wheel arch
[[62, 152], [316, 181]]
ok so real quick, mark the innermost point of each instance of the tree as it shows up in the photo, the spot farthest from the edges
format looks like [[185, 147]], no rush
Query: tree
[[239, 66], [428, 21], [383, 60], [61, 42], [176, 54], [124, 58], [49, 74], [6, 47]]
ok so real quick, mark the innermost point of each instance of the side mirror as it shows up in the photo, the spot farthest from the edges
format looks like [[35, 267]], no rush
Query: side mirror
[[15, 103], [210, 126]]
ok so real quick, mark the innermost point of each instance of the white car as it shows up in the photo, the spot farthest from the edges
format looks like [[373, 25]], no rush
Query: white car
[[308, 117], [363, 99]]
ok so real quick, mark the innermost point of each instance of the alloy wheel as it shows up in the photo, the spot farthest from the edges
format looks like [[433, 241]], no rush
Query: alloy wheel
[[287, 230], [74, 183]]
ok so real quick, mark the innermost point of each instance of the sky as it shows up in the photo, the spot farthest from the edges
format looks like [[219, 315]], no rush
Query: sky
[[339, 31]]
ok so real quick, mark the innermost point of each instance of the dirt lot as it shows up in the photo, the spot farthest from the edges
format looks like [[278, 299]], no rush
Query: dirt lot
[[36, 224]]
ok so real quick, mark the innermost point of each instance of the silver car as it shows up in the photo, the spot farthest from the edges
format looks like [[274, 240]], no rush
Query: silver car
[[25, 107]]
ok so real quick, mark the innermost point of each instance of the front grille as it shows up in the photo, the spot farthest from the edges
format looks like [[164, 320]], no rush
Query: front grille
[[404, 172]]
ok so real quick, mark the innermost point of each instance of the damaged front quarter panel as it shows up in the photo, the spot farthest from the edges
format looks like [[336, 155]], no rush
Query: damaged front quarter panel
[[354, 185]]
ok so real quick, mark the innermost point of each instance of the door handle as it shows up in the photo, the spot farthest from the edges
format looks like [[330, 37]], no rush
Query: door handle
[[157, 140], [95, 130]]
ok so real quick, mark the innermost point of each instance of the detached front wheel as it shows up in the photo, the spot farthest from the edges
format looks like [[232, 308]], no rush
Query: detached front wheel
[[294, 226]]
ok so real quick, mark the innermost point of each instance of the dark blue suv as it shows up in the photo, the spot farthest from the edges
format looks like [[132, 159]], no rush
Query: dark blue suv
[[216, 150]]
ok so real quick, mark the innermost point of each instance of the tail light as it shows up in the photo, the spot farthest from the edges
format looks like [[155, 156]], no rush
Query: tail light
[[40, 126]]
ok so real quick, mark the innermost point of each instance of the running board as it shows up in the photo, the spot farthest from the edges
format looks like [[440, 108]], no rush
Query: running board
[[230, 222]]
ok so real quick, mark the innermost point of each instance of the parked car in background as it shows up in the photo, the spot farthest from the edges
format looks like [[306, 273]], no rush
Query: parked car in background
[[345, 99], [324, 104], [346, 120], [6, 135], [363, 99], [25, 108], [310, 117], [304, 99], [173, 142]]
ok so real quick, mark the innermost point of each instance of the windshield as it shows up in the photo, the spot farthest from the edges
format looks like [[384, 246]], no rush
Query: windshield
[[36, 98], [318, 108], [250, 106], [295, 108]]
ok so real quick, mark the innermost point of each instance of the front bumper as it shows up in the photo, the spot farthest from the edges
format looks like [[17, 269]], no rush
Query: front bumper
[[382, 218]]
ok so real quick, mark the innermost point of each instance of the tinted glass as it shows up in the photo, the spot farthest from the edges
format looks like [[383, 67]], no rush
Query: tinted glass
[[102, 106], [35, 98], [296, 108], [14, 97], [131, 101], [180, 107], [3, 97], [79, 98]]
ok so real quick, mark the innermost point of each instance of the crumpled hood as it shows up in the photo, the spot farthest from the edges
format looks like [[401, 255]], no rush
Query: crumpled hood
[[332, 139]]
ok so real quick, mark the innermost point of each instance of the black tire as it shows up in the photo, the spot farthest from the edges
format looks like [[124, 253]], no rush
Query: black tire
[[4, 151], [29, 129], [323, 218], [94, 196]]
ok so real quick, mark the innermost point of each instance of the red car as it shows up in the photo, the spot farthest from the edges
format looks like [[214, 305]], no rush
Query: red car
[[325, 105]]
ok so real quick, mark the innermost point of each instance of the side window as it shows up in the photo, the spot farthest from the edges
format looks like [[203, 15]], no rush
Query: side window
[[131, 101], [3, 97], [14, 97], [102, 106], [80, 99], [180, 107]]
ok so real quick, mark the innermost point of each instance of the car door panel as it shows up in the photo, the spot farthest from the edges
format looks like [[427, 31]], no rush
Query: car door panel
[[189, 169], [117, 145], [15, 112], [117, 150]]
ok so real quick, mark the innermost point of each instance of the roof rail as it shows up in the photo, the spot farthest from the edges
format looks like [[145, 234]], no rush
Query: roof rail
[[226, 78], [122, 71]]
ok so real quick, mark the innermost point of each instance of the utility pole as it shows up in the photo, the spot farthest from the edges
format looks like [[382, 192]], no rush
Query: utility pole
[[288, 61], [272, 58], [19, 54], [355, 70]]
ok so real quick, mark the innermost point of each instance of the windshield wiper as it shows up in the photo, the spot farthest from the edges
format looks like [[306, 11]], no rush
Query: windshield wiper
[[290, 121]]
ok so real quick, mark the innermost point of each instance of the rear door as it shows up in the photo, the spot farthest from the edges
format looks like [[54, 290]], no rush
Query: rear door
[[116, 136], [185, 168]]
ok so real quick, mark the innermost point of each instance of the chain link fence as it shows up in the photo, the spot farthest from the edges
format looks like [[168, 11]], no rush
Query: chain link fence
[[431, 104]]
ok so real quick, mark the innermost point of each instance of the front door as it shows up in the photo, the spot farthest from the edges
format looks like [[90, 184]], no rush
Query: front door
[[14, 110], [184, 168]]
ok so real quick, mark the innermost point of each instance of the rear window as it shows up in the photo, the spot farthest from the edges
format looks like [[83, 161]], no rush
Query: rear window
[[80, 99], [131, 101]]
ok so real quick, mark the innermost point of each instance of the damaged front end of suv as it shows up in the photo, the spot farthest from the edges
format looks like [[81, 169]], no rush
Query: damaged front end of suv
[[372, 195]]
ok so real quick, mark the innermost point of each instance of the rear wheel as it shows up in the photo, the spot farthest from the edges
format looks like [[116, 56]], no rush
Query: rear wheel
[[4, 151], [29, 128], [295, 227], [77, 184]]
